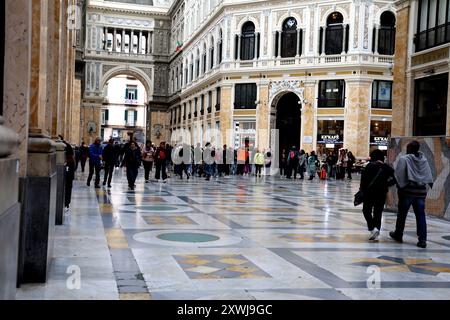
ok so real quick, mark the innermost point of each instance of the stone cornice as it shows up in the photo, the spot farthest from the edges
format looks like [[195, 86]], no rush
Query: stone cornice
[[124, 11]]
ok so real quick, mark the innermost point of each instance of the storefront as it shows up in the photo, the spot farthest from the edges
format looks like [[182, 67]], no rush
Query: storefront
[[380, 133], [330, 136]]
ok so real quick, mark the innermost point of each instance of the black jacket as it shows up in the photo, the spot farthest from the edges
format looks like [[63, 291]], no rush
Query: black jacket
[[382, 183], [132, 159], [110, 154]]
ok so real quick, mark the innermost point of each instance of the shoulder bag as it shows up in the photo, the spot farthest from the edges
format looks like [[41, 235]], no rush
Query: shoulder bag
[[359, 196]]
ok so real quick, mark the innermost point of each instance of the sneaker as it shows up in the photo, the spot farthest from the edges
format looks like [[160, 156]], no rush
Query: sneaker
[[165, 181], [422, 244], [374, 234], [395, 237], [88, 184]]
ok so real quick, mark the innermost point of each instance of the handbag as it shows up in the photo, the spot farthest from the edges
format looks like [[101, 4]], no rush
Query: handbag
[[359, 196]]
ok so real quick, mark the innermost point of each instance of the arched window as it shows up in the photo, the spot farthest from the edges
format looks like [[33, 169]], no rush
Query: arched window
[[334, 35], [386, 35], [248, 41], [197, 64], [204, 59], [220, 48], [289, 45]]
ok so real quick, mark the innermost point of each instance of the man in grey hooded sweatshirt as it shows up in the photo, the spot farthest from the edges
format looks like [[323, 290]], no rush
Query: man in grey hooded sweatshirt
[[413, 174]]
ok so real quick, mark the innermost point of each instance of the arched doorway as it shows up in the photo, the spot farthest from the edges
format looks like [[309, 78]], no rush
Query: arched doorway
[[288, 121]]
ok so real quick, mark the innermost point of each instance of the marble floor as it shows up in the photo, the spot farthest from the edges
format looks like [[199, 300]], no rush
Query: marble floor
[[236, 238]]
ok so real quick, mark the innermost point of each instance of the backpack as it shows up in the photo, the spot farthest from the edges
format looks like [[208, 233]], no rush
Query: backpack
[[292, 154], [161, 155]]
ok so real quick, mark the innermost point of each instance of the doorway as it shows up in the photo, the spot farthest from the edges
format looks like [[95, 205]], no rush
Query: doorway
[[288, 121]]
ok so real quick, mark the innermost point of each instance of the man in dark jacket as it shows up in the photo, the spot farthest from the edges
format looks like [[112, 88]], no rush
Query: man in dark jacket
[[292, 163], [109, 156], [413, 175], [84, 155], [95, 162], [132, 161], [375, 181]]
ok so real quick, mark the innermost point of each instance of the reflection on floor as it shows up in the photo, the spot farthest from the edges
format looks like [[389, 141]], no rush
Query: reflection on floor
[[237, 238]]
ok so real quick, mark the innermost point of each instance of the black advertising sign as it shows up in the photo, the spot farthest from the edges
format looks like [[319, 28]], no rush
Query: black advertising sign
[[330, 138], [379, 141]]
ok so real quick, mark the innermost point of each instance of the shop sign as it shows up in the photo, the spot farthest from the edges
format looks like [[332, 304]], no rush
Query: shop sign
[[379, 141], [330, 138]]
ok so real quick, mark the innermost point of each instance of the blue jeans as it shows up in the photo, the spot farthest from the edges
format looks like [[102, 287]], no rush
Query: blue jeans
[[418, 203]]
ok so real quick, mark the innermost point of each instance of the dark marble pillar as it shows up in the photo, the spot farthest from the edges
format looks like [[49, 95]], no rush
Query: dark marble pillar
[[39, 202], [60, 189]]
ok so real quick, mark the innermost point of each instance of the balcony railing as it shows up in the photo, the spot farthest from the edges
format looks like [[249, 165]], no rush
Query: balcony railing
[[432, 37]]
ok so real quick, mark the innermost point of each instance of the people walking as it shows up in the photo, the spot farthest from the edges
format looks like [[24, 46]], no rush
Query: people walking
[[375, 181], [84, 155], [259, 162], [132, 162], [350, 162], [292, 163], [302, 160], [413, 174], [95, 162], [147, 159], [312, 165], [109, 157], [160, 158]]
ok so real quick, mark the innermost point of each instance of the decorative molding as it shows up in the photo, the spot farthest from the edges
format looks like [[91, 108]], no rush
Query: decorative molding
[[277, 87]]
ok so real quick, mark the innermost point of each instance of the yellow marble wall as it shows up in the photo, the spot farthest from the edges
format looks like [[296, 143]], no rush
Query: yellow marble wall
[[262, 118], [161, 118], [399, 107], [357, 113], [308, 117], [75, 137], [226, 114]]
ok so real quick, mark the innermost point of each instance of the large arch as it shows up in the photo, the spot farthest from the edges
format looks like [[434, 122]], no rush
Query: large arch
[[129, 71]]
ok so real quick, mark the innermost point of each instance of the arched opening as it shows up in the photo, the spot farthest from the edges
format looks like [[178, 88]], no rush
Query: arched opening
[[248, 41], [220, 47], [386, 36], [288, 121], [124, 108], [289, 38], [211, 53], [334, 35]]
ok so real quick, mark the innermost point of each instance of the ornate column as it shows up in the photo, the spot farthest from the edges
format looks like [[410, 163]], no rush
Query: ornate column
[[140, 42], [256, 46], [297, 54], [324, 37], [105, 36], [114, 44], [148, 43], [308, 117], [275, 45], [279, 43], [377, 34], [344, 38], [239, 48], [122, 42], [131, 45], [152, 41]]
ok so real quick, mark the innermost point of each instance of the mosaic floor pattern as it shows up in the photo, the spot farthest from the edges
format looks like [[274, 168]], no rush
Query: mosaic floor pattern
[[237, 238]]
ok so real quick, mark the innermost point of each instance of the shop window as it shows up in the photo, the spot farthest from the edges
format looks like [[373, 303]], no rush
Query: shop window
[[330, 135], [430, 111], [244, 134], [245, 96], [380, 133], [331, 94], [433, 24], [382, 94]]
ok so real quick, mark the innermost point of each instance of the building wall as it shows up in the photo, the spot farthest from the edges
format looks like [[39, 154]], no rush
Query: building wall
[[203, 26]]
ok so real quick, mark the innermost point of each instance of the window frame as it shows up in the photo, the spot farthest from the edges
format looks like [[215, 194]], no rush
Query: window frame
[[245, 95], [376, 100], [324, 102]]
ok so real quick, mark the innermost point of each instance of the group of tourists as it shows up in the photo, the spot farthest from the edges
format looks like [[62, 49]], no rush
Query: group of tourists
[[333, 165]]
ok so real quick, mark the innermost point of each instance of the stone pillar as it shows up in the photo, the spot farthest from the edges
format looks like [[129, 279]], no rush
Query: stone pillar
[[105, 36], [122, 43], [275, 45], [377, 34], [131, 42], [140, 43], [308, 117], [152, 41], [149, 43], [298, 43], [324, 37], [262, 118], [13, 137], [357, 117], [226, 114], [60, 182], [279, 43], [399, 107], [256, 46], [239, 48], [114, 42], [344, 38]]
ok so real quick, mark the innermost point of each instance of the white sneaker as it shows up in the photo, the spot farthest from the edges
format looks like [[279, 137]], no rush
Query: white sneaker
[[374, 234]]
